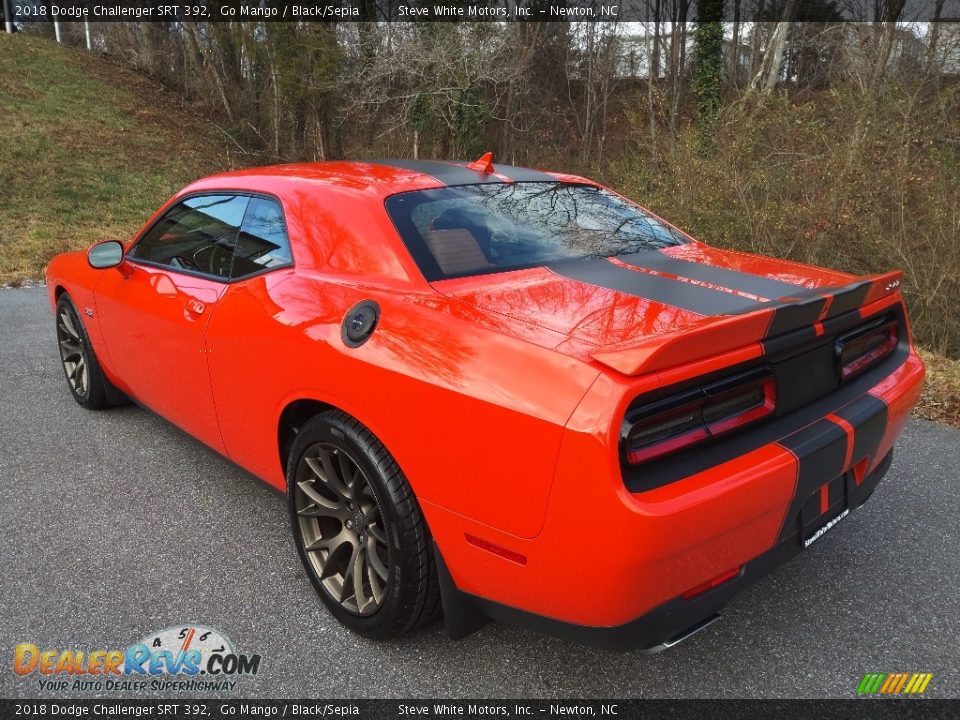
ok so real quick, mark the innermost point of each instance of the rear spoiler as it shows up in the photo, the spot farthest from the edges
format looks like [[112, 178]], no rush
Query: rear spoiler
[[766, 320]]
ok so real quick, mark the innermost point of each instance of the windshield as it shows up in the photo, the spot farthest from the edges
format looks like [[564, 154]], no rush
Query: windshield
[[476, 229]]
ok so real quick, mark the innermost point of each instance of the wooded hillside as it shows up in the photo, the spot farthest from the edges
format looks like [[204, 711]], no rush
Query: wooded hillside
[[831, 143]]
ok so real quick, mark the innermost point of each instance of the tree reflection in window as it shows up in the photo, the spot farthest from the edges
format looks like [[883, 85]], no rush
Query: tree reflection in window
[[474, 229]]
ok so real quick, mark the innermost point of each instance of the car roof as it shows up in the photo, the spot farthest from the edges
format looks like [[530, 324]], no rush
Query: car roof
[[381, 177]]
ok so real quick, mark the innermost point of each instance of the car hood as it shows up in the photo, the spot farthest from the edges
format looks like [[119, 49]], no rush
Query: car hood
[[698, 299]]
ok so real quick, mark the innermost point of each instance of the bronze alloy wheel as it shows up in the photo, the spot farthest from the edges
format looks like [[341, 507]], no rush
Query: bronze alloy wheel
[[73, 350], [86, 380], [342, 528], [358, 527]]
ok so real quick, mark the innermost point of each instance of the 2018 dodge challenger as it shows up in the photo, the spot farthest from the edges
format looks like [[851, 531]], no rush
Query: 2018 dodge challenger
[[506, 393]]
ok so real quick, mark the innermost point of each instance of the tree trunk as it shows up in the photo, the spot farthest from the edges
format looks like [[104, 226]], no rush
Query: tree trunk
[[894, 8], [652, 68], [735, 45], [678, 53], [932, 64], [707, 66], [772, 64], [655, 50], [778, 44], [194, 44], [755, 60]]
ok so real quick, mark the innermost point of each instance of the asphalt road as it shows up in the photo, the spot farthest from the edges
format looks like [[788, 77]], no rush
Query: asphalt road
[[116, 524]]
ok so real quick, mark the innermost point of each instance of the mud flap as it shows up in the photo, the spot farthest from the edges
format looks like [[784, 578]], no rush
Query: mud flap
[[460, 615]]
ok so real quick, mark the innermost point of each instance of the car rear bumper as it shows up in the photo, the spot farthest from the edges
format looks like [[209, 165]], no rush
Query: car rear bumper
[[613, 567], [675, 620]]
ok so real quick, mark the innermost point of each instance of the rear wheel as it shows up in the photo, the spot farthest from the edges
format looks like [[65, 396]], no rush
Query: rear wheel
[[359, 530], [80, 365]]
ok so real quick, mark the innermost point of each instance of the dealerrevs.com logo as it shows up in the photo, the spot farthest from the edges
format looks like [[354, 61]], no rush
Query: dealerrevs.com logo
[[188, 657]]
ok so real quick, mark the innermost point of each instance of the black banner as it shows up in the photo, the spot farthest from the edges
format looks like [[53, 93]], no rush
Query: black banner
[[28, 11], [482, 709]]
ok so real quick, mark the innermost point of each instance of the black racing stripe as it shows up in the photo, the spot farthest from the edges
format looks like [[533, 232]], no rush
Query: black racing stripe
[[806, 309], [820, 450], [695, 298], [775, 344], [792, 314], [868, 416], [849, 298], [844, 321], [791, 372], [733, 279], [520, 174], [447, 173]]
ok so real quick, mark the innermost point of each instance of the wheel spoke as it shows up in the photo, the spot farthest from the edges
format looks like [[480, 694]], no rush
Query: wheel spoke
[[347, 586], [322, 467], [68, 324], [69, 348], [348, 472], [375, 585], [373, 559], [358, 592], [321, 506], [317, 510], [378, 533], [81, 375], [332, 544]]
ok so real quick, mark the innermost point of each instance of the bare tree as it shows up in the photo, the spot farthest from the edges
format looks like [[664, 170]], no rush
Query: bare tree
[[893, 10], [772, 65]]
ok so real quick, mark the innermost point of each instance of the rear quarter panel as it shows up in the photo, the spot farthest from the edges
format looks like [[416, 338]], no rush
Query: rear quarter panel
[[474, 417]]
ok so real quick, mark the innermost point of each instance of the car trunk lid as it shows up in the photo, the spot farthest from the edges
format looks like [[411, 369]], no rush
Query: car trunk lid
[[656, 309]]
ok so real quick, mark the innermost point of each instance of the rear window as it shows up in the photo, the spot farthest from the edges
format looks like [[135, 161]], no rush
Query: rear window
[[477, 229]]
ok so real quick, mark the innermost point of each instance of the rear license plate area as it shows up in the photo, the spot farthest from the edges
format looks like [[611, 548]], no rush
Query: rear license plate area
[[824, 508]]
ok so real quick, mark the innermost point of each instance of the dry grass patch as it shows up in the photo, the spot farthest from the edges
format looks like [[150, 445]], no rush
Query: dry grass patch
[[88, 150], [941, 392]]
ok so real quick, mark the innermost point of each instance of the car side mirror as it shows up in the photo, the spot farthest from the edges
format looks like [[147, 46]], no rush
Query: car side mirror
[[105, 254]]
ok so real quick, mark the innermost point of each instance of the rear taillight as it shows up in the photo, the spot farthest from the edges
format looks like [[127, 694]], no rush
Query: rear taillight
[[866, 346], [678, 422]]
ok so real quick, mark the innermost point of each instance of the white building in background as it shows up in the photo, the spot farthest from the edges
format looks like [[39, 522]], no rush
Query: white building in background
[[948, 47], [637, 54], [853, 44]]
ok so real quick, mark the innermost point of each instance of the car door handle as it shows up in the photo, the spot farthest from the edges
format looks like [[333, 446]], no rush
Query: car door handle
[[196, 307]]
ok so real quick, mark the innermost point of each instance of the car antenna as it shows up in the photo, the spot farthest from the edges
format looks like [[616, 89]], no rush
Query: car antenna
[[483, 164]]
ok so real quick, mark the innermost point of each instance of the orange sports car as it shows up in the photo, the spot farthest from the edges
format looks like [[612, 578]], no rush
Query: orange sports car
[[499, 392]]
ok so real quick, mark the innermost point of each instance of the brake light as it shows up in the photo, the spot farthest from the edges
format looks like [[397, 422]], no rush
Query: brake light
[[866, 347], [665, 427]]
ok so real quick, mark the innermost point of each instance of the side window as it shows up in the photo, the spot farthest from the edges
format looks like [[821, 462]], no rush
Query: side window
[[198, 234], [262, 242]]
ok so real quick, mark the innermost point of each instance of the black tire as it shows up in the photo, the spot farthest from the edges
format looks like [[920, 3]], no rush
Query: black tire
[[80, 365], [411, 594]]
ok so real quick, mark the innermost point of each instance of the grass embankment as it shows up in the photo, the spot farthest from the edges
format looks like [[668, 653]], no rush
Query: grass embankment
[[88, 149], [941, 393]]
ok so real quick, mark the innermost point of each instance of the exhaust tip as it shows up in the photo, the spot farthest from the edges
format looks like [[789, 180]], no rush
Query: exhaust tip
[[684, 635]]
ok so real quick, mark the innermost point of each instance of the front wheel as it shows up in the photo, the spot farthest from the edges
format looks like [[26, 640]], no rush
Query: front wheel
[[80, 365], [359, 530]]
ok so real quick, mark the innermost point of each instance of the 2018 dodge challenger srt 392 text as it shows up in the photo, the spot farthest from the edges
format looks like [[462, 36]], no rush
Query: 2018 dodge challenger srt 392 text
[[505, 393]]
